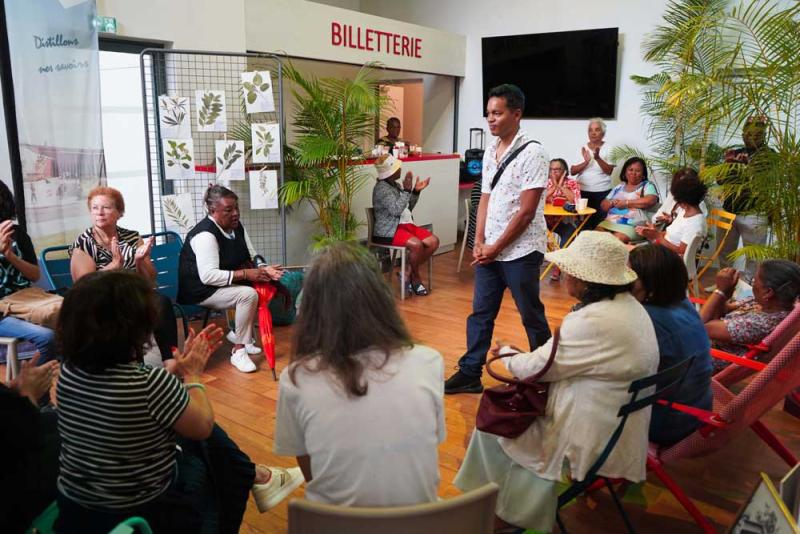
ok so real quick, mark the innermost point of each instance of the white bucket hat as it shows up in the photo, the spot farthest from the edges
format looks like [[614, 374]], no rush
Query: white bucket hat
[[597, 257], [387, 165]]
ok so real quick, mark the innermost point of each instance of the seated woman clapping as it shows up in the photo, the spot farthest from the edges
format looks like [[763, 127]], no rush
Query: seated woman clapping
[[687, 220], [627, 204], [120, 421], [731, 324], [607, 341], [19, 269], [661, 288], [360, 405], [105, 246], [392, 204]]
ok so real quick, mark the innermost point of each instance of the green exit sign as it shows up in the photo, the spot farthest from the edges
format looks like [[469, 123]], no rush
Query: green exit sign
[[106, 24]]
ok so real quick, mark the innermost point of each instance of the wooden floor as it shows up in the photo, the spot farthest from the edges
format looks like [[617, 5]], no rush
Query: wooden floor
[[245, 406]]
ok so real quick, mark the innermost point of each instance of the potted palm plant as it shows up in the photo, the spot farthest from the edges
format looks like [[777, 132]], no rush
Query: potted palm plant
[[721, 64], [333, 119]]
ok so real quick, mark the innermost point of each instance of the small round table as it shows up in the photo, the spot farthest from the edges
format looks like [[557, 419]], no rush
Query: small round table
[[560, 212]]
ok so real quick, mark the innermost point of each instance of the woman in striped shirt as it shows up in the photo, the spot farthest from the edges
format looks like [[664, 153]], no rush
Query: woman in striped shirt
[[120, 421]]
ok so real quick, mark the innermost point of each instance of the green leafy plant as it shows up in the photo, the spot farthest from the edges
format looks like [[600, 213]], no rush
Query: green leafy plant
[[333, 119], [255, 89], [175, 213], [264, 141], [721, 63], [230, 155], [178, 154], [173, 110], [210, 108]]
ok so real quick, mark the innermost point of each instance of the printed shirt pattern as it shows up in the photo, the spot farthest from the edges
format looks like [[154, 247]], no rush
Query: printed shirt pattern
[[528, 171]]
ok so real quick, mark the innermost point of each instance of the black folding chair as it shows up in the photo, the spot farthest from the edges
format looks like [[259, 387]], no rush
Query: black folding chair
[[667, 383]]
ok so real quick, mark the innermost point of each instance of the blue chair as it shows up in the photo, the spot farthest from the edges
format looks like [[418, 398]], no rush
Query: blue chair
[[165, 256], [55, 264], [666, 383]]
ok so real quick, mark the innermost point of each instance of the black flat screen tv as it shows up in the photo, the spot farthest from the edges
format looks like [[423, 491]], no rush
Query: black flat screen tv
[[564, 75]]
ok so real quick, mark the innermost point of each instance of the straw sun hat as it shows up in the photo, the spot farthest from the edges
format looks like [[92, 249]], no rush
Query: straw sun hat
[[597, 257], [387, 165]]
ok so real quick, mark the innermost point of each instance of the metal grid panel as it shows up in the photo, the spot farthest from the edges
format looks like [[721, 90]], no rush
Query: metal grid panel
[[181, 73]]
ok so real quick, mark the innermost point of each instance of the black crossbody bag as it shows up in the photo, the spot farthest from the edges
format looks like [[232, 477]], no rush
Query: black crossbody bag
[[499, 172]]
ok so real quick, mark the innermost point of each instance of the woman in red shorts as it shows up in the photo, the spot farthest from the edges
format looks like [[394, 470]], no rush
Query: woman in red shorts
[[392, 204]]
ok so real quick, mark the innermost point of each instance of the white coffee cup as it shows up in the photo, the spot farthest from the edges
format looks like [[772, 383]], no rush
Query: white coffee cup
[[583, 203]]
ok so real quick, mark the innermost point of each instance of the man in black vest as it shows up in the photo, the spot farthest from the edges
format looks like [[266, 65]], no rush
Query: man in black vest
[[217, 268]]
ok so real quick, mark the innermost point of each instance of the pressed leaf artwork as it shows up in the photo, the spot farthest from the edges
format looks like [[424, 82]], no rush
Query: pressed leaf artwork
[[178, 212], [257, 92], [210, 107], [229, 160], [266, 142], [263, 189], [173, 112], [178, 158]]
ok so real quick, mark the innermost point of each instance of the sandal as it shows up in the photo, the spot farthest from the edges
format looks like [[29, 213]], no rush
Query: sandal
[[409, 289], [419, 289]]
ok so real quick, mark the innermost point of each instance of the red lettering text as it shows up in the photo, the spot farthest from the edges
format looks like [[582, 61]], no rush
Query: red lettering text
[[336, 34]]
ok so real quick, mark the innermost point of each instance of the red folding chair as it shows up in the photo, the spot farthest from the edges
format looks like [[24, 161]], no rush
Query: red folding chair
[[733, 414]]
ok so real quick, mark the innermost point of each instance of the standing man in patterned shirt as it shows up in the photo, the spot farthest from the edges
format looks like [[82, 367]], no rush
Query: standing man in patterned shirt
[[510, 236]]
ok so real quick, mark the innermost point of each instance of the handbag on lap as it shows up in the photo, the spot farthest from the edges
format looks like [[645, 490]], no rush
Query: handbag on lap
[[509, 409], [34, 305]]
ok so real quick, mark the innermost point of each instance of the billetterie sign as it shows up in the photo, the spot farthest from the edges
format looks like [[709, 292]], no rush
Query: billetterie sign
[[372, 40]]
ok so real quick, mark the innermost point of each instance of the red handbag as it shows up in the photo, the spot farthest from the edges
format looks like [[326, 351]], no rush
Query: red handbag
[[509, 409]]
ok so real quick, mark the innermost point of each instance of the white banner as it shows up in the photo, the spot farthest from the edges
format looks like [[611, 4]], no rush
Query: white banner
[[54, 63]]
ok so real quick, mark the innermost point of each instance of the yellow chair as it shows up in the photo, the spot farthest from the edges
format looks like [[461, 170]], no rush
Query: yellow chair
[[722, 221]]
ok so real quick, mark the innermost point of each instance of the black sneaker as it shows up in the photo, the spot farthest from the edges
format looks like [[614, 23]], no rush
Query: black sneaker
[[461, 383]]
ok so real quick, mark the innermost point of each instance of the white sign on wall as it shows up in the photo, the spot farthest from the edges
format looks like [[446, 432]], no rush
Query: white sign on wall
[[345, 36]]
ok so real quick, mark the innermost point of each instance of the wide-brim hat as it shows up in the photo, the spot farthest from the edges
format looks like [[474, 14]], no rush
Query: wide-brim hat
[[596, 257], [387, 165]]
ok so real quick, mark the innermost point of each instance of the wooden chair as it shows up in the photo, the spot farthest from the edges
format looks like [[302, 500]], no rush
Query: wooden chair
[[722, 221], [690, 260], [732, 414], [666, 382], [472, 512], [394, 250]]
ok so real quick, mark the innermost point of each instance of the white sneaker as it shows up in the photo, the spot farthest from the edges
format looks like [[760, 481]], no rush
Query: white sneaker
[[250, 347], [282, 483], [242, 361]]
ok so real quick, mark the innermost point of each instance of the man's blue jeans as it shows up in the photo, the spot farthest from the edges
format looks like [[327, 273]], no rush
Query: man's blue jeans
[[521, 276], [38, 335]]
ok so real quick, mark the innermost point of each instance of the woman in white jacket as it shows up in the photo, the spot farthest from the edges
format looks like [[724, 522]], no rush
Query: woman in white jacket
[[607, 341]]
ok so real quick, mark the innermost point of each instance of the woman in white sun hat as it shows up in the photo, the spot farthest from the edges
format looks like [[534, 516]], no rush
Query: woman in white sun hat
[[392, 204], [606, 342]]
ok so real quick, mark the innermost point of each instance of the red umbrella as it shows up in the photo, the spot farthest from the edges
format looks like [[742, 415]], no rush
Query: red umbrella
[[266, 291]]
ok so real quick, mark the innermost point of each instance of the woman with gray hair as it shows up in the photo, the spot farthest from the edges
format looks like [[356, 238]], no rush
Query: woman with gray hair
[[217, 268], [360, 405], [593, 171], [731, 324]]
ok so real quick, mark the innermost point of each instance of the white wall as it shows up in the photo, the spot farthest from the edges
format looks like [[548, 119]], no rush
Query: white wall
[[195, 24], [477, 19]]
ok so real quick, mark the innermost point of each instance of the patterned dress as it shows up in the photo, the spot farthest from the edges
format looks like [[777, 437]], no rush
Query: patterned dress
[[128, 241], [747, 325]]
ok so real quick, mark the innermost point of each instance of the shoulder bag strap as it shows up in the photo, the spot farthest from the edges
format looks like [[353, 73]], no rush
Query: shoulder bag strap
[[531, 379], [499, 172]]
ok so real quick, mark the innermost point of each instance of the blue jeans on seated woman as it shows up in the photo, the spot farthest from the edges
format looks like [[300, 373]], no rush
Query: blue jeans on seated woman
[[38, 335]]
